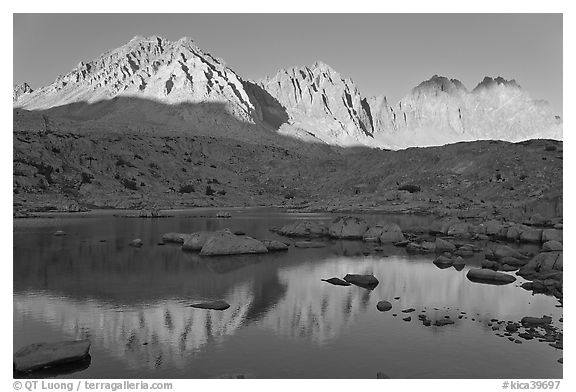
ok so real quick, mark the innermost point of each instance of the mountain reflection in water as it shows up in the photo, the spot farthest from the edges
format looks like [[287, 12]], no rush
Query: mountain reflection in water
[[133, 304]]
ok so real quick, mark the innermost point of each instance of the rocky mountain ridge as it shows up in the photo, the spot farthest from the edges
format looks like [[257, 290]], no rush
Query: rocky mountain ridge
[[152, 83]]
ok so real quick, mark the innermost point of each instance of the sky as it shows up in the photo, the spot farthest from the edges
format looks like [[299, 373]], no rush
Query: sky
[[384, 54]]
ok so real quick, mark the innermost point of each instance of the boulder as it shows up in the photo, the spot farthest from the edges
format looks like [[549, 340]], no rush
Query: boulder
[[309, 244], [551, 235], [384, 232], [501, 251], [443, 322], [489, 264], [137, 243], [531, 235], [223, 214], [347, 227], [41, 355], [461, 229], [552, 246], [59, 233], [480, 275], [274, 246], [366, 281], [178, 238], [336, 282], [464, 251], [514, 232], [513, 261], [196, 241], [444, 246], [542, 263], [383, 306], [494, 228], [304, 228], [443, 262], [214, 305], [544, 320], [226, 243]]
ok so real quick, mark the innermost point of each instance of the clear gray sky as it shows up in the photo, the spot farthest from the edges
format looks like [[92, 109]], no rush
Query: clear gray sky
[[382, 53]]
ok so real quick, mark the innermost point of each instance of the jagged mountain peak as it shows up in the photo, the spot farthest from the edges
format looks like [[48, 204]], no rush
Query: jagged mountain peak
[[440, 83], [489, 82]]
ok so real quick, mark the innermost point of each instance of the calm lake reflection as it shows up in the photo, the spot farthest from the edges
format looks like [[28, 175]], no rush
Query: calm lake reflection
[[283, 322]]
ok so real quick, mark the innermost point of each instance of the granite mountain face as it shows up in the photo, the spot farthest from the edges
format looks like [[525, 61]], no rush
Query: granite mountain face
[[152, 83]]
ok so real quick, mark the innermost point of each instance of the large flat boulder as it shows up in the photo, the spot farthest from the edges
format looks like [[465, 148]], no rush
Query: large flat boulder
[[542, 263], [348, 227], [40, 355], [481, 275], [196, 241], [227, 243]]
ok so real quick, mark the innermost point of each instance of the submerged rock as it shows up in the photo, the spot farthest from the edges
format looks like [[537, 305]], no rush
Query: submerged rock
[[195, 241], [274, 246], [348, 227], [443, 322], [226, 243], [480, 275], [336, 282], [383, 306], [309, 244], [214, 305], [178, 238], [366, 281], [41, 355], [137, 243]]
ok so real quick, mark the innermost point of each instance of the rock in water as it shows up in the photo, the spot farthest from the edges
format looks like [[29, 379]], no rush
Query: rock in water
[[59, 233], [336, 282], [365, 281], [304, 228], [480, 275], [274, 246], [214, 305], [196, 241], [40, 355], [226, 243], [444, 246], [528, 320], [383, 306], [347, 227], [137, 243], [309, 244], [391, 233], [178, 238]]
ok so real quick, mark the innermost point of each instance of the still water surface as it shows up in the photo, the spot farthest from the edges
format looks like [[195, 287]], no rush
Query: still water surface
[[284, 322]]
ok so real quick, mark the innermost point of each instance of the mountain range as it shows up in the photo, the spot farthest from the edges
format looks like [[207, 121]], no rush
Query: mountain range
[[152, 83]]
